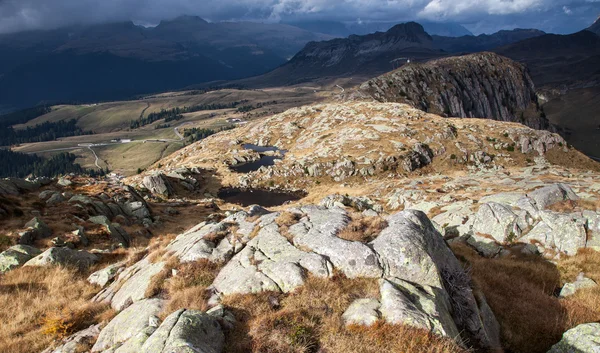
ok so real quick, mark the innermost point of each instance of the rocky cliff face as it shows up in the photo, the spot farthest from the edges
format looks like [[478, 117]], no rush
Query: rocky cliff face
[[482, 85]]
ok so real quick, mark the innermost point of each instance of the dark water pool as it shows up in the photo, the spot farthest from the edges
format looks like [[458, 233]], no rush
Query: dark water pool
[[265, 198], [264, 161]]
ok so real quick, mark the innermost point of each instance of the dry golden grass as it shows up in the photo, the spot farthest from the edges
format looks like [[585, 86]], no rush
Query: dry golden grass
[[574, 206], [285, 220], [187, 289], [157, 282], [522, 293], [43, 304], [309, 320], [363, 229]]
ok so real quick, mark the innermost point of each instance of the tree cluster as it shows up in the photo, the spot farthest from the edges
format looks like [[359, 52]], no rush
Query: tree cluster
[[21, 165]]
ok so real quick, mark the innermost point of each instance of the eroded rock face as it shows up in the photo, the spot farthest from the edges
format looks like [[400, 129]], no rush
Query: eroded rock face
[[463, 87], [584, 338]]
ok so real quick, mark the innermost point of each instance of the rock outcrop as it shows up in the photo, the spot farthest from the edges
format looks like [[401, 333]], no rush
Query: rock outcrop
[[421, 282], [483, 85], [584, 338]]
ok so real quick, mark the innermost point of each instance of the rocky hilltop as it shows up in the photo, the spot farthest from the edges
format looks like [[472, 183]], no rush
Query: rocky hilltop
[[471, 86], [483, 42]]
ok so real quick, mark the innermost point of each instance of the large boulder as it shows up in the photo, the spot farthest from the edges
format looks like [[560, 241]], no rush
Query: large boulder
[[128, 324], [186, 331], [498, 221], [16, 256], [420, 266], [158, 184], [64, 256], [318, 230], [560, 232], [551, 194], [35, 229], [106, 275], [131, 285], [584, 338]]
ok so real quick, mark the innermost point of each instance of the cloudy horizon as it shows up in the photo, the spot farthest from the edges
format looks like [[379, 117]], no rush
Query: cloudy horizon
[[479, 16]]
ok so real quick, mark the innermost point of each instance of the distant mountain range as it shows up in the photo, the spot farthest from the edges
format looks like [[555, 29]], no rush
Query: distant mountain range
[[118, 60], [559, 60], [339, 29]]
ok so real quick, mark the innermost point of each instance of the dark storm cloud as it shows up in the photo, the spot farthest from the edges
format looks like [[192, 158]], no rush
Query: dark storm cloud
[[559, 16]]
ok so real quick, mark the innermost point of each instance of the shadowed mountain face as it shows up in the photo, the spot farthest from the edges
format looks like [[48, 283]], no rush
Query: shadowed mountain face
[[595, 27], [482, 85], [483, 42], [555, 60], [115, 61]]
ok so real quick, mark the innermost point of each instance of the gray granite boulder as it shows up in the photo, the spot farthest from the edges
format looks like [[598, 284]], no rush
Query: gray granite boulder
[[551, 194], [77, 342], [16, 256], [158, 184], [64, 256], [131, 285], [584, 338], [362, 312], [128, 324], [104, 276], [581, 282], [318, 230], [186, 331], [560, 232]]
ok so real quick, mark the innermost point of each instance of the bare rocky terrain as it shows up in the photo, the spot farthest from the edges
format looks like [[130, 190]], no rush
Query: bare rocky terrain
[[356, 224]]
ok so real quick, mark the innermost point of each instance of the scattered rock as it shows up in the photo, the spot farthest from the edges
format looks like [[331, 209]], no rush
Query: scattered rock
[[584, 338], [16, 256], [580, 283], [362, 312], [63, 256]]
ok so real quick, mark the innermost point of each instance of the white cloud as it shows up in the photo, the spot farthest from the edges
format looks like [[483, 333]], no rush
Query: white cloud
[[567, 10]]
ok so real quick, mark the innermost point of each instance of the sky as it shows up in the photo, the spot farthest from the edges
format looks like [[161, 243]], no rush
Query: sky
[[479, 16]]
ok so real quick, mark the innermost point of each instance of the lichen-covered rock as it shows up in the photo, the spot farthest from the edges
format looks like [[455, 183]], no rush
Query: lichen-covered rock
[[498, 221], [131, 285], [581, 282], [104, 276], [36, 229], [318, 230], [362, 312], [186, 331], [551, 194], [269, 262], [584, 338], [16, 256], [127, 324], [77, 342], [559, 232], [158, 184], [64, 256], [412, 251]]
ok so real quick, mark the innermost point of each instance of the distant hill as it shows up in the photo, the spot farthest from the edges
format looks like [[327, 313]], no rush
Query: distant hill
[[483, 42], [361, 55], [340, 29], [553, 59], [117, 60]]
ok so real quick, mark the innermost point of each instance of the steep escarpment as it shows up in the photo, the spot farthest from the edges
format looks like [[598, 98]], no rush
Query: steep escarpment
[[481, 85], [595, 27]]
